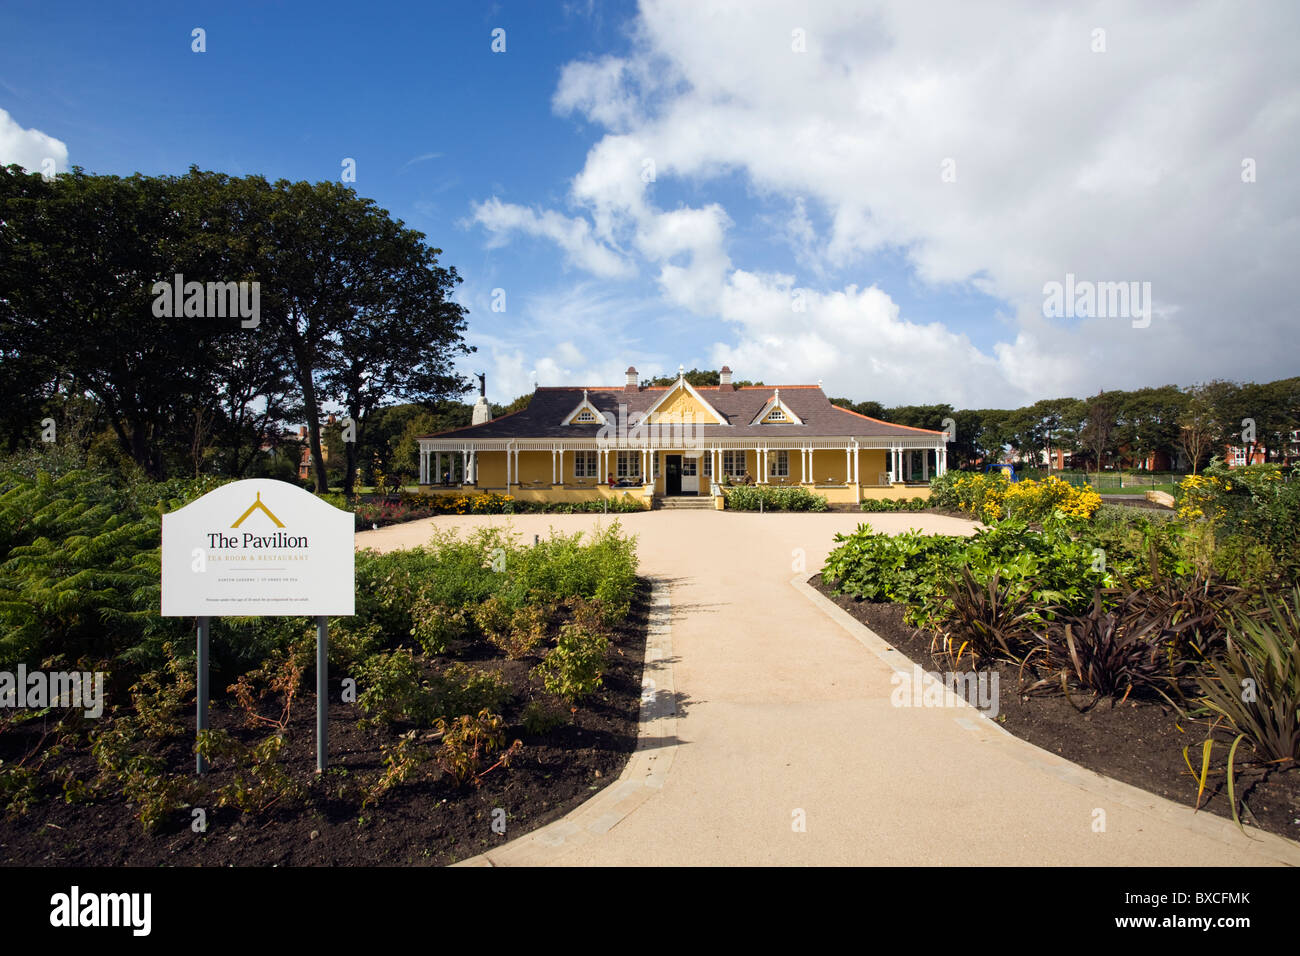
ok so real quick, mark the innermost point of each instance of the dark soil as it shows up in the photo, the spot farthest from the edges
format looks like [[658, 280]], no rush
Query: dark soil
[[1139, 741], [426, 821]]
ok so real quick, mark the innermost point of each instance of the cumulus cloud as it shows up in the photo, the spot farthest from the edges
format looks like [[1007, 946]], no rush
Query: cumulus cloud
[[570, 234], [30, 148], [998, 149]]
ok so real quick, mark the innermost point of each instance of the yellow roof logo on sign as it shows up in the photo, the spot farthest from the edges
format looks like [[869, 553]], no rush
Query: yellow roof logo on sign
[[258, 506]]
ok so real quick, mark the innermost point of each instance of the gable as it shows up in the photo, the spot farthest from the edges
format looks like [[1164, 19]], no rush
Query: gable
[[584, 413], [681, 404]]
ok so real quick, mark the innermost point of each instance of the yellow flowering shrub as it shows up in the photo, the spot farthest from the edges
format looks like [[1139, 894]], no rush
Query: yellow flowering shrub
[[991, 496]]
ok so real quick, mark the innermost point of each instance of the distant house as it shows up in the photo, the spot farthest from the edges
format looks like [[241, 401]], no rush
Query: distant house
[[304, 460], [680, 440], [1237, 456]]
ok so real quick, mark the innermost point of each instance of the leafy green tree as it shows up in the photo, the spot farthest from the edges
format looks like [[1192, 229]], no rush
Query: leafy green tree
[[83, 254]]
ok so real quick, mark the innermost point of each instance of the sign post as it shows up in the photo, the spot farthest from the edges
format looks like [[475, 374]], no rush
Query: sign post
[[322, 689], [201, 693], [259, 547]]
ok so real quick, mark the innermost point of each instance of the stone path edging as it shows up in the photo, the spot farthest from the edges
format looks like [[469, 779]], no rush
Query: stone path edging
[[642, 777], [1283, 851]]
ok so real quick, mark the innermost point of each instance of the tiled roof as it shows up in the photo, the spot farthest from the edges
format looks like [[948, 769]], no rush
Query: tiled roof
[[739, 406]]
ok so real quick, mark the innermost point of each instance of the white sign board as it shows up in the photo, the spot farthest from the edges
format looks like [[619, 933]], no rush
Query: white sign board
[[254, 547]]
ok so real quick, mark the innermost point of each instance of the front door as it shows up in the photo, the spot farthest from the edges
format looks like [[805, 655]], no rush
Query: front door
[[673, 475], [690, 475]]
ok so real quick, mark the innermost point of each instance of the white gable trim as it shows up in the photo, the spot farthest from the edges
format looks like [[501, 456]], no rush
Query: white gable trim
[[682, 383], [775, 402], [585, 404]]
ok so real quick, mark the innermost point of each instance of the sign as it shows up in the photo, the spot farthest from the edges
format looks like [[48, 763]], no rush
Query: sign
[[285, 552], [258, 547]]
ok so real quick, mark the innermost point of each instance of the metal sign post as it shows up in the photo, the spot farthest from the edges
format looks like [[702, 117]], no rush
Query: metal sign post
[[322, 689], [201, 693]]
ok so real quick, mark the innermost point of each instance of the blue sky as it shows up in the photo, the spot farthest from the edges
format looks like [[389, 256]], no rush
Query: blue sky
[[798, 225]]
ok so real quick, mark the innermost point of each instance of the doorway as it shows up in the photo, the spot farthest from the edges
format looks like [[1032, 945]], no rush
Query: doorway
[[672, 474]]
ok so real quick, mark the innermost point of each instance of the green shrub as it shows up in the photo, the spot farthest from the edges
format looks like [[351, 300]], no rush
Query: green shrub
[[527, 629], [905, 568], [79, 572], [390, 689], [773, 498], [467, 742], [574, 668], [538, 718], [601, 566], [462, 689], [895, 504]]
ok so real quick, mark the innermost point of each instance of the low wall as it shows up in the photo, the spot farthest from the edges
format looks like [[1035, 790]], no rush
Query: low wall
[[877, 493], [545, 492]]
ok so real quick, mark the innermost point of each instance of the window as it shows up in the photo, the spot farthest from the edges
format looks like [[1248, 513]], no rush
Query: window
[[585, 464], [708, 465], [1239, 456], [629, 464], [778, 464], [733, 463], [688, 467], [584, 416], [776, 415]]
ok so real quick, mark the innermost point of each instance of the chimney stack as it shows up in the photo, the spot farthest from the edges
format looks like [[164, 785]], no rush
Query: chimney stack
[[724, 380], [631, 385]]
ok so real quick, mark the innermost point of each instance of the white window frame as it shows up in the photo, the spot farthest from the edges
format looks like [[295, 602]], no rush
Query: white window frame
[[778, 464], [777, 414], [586, 464], [628, 465], [708, 464], [733, 462]]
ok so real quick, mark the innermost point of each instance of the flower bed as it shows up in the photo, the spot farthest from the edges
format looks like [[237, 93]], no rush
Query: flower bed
[[1115, 607], [472, 668], [772, 498]]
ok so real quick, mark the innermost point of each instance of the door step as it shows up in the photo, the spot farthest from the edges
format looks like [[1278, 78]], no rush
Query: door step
[[702, 503]]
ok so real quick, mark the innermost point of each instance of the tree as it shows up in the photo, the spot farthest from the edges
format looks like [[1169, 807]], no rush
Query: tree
[[401, 339], [84, 253], [1099, 431], [698, 378], [354, 304], [1148, 420], [1198, 426]]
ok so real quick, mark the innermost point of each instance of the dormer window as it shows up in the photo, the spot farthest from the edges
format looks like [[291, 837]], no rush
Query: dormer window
[[584, 413], [776, 412]]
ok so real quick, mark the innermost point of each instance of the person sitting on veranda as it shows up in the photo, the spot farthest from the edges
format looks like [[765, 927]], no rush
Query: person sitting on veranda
[[446, 477], [611, 480]]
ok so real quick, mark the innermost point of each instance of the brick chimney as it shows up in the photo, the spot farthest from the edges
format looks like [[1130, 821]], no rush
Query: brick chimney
[[724, 380], [631, 384]]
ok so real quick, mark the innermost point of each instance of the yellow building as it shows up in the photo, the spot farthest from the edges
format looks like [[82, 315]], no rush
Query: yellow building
[[573, 443]]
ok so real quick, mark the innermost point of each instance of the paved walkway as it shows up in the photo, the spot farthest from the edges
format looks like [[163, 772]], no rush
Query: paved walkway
[[784, 714]]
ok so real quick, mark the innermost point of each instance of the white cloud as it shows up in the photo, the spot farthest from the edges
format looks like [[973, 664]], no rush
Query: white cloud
[[1115, 166], [29, 148], [571, 235]]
